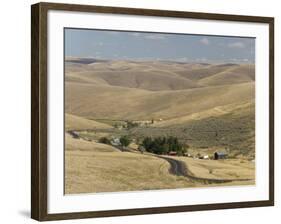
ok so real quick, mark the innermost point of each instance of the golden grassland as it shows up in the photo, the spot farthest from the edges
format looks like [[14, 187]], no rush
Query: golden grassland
[[73, 122], [137, 90], [221, 169], [93, 168], [213, 104], [116, 102]]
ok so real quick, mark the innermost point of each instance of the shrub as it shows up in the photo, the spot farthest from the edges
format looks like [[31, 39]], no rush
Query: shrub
[[131, 124], [125, 141], [104, 140]]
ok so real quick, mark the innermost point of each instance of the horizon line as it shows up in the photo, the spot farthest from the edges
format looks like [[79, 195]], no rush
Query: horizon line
[[179, 60]]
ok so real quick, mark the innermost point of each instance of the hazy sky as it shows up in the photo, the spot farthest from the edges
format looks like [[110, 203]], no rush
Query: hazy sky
[[156, 46]]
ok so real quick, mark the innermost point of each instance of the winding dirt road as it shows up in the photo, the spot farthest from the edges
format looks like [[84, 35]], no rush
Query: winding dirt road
[[179, 168]]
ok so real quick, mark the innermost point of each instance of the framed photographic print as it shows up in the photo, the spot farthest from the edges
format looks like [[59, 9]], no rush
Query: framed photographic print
[[138, 111]]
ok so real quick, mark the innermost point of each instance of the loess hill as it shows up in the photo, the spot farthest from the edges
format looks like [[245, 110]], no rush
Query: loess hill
[[209, 105]]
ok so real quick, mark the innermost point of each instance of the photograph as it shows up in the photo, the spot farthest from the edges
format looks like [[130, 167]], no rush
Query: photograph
[[153, 111]]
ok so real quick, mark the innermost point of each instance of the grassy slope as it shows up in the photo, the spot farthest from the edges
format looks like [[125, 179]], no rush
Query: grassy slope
[[135, 78], [218, 114], [93, 167], [82, 145], [197, 102], [221, 169], [158, 75], [243, 73], [242, 107], [230, 126], [98, 101], [73, 122]]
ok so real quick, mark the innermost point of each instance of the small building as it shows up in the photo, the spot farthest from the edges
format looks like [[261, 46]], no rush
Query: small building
[[172, 153], [187, 154], [204, 157], [115, 142], [220, 155]]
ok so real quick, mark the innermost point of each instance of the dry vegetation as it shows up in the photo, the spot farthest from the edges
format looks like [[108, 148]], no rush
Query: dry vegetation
[[221, 169], [210, 107], [91, 167], [73, 122]]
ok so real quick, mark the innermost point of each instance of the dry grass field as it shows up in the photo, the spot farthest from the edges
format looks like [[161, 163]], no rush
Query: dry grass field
[[221, 169], [73, 122], [210, 107], [94, 167]]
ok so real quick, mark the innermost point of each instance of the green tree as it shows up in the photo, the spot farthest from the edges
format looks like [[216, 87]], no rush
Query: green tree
[[125, 141], [163, 145], [147, 144]]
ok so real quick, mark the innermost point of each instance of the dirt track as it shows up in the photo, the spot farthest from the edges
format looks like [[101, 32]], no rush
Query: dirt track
[[179, 168]]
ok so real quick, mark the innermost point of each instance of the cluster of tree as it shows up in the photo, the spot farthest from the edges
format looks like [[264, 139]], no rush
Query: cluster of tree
[[164, 145]]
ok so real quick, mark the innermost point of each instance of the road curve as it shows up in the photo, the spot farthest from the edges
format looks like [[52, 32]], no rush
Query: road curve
[[179, 168]]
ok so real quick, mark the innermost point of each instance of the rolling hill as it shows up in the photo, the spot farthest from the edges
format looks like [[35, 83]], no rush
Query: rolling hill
[[209, 107], [207, 104], [102, 101], [73, 122]]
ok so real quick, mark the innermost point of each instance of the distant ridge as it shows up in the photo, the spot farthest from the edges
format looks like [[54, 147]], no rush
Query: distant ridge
[[84, 60], [89, 60], [226, 64]]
